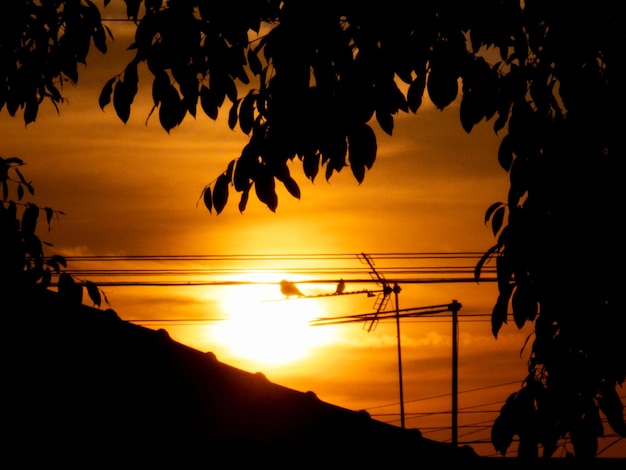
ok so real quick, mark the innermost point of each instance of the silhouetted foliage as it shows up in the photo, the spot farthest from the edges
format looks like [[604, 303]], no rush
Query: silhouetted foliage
[[41, 45], [23, 266], [308, 80]]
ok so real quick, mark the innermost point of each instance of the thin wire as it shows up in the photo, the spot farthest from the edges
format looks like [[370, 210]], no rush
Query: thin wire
[[444, 395]]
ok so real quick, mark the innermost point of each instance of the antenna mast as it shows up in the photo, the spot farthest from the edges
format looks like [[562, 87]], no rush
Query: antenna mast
[[383, 297]]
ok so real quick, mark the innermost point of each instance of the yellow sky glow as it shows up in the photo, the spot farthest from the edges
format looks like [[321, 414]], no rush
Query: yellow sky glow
[[134, 190]]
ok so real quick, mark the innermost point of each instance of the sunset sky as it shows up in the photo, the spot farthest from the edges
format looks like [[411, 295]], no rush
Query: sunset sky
[[132, 189]]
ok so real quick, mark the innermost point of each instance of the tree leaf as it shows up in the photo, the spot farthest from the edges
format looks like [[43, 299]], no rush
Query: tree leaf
[[58, 260], [132, 8], [415, 93], [500, 311], [230, 88], [243, 202], [29, 219], [206, 197], [311, 165], [161, 87], [385, 120], [292, 186], [122, 99], [245, 167], [491, 210], [105, 94], [99, 38], [94, 293], [442, 86], [220, 193], [209, 102], [505, 153], [518, 304], [466, 112], [246, 112], [49, 214], [46, 278], [232, 115], [265, 187], [254, 62], [30, 111], [611, 405], [497, 220], [483, 259], [70, 292], [501, 434], [172, 110], [362, 150]]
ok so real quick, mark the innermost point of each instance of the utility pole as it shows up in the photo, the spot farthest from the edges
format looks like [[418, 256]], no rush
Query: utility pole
[[455, 307], [396, 291]]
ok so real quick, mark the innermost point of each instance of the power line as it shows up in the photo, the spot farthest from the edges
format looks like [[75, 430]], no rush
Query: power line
[[445, 395], [198, 270], [283, 256]]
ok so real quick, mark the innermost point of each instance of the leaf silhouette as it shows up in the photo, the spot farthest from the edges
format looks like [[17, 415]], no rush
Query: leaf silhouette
[[69, 291], [482, 261], [49, 214], [265, 187], [442, 87], [499, 313], [232, 115], [29, 219], [105, 94], [362, 150], [497, 220], [122, 99], [172, 110], [209, 102], [246, 113], [220, 193], [491, 210], [30, 111], [292, 187], [94, 293], [208, 201], [501, 435], [243, 202], [415, 93], [505, 153], [56, 261], [524, 304], [311, 165], [132, 8], [385, 120], [254, 62]]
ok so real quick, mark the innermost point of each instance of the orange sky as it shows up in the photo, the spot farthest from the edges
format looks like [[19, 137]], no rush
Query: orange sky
[[133, 190]]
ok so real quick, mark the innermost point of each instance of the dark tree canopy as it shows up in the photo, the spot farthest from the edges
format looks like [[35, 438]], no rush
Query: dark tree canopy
[[308, 80]]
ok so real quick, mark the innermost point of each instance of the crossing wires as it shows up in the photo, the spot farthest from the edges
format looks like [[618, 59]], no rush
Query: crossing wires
[[233, 269]]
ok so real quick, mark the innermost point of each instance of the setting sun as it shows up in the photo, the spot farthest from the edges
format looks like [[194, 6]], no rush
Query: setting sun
[[264, 326]]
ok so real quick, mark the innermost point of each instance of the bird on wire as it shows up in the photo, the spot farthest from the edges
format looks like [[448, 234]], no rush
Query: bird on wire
[[341, 286], [289, 289]]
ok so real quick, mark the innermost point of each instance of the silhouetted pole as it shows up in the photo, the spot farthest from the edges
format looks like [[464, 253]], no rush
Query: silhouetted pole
[[455, 307], [396, 291]]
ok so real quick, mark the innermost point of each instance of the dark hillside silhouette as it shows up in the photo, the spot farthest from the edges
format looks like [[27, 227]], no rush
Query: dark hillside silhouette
[[82, 388]]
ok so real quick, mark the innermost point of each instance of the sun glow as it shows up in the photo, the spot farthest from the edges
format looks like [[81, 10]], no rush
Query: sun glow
[[264, 326]]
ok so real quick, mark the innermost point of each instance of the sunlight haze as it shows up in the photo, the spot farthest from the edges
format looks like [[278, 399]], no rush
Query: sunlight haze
[[130, 190]]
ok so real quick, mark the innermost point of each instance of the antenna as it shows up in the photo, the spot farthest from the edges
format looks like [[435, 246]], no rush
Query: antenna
[[384, 295]]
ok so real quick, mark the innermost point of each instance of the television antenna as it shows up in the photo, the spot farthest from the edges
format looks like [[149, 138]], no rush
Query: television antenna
[[384, 295]]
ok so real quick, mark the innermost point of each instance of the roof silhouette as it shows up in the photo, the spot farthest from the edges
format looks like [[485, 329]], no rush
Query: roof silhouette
[[83, 388]]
